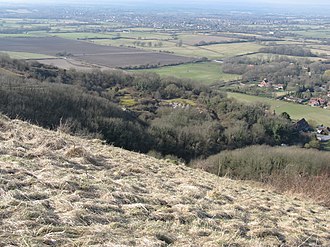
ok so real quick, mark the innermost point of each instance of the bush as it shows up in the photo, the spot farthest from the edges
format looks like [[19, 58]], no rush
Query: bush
[[286, 168], [259, 162]]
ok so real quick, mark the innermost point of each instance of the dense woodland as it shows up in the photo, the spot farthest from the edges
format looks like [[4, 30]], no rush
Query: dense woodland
[[88, 103]]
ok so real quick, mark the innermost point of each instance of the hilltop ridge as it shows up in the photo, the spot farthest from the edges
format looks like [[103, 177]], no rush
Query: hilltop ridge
[[62, 190]]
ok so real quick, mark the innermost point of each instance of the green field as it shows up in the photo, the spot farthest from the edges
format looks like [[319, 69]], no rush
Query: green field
[[296, 111], [179, 43], [24, 35], [82, 35], [130, 42], [218, 51], [207, 73], [25, 55], [195, 38], [322, 33]]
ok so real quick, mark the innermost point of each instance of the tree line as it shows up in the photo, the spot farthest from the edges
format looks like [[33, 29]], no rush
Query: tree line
[[291, 50]]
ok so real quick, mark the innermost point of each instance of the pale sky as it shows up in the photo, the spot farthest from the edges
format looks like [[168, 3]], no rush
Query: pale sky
[[277, 2]]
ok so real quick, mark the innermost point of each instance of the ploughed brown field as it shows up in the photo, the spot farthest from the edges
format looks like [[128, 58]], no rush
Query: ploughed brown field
[[91, 53]]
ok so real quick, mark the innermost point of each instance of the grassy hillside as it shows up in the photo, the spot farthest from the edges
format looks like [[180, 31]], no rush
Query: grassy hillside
[[296, 111], [61, 190]]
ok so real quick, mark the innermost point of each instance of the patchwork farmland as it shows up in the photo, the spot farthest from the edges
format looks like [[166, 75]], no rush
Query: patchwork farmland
[[108, 56]]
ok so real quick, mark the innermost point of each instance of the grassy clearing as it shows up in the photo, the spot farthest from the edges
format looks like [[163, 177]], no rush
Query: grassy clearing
[[296, 111], [322, 33], [128, 101], [26, 55], [203, 72], [62, 190]]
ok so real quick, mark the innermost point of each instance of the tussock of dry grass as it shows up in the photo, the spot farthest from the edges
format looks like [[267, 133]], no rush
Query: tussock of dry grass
[[59, 190]]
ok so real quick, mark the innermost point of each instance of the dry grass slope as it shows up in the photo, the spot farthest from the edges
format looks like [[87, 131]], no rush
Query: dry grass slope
[[59, 190]]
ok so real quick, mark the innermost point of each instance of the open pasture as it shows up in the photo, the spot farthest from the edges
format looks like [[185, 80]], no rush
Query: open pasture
[[149, 44], [234, 49], [218, 51], [206, 73], [193, 39], [317, 33], [145, 35], [296, 111], [84, 51], [170, 42], [82, 35]]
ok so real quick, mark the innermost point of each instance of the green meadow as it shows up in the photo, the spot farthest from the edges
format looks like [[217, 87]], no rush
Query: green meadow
[[296, 111], [208, 72]]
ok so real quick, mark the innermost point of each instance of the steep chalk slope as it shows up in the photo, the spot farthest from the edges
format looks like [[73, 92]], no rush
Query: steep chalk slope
[[60, 190]]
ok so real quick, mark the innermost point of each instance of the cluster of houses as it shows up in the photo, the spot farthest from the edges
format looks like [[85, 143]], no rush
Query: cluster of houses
[[294, 99], [315, 101], [322, 132], [266, 84], [321, 101], [318, 102]]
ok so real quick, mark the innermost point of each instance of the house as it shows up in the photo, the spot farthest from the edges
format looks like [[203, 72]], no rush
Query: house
[[323, 138], [264, 83], [323, 130], [314, 102], [278, 86], [317, 102], [294, 99], [289, 98], [303, 125]]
